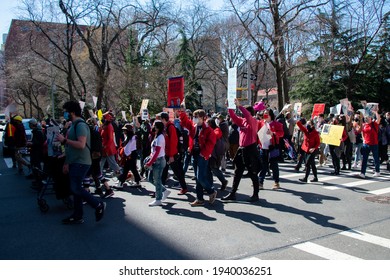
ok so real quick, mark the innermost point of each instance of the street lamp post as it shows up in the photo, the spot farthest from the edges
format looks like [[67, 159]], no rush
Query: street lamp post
[[199, 90]]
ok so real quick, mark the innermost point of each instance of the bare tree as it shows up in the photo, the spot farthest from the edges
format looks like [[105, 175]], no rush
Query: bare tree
[[267, 23]]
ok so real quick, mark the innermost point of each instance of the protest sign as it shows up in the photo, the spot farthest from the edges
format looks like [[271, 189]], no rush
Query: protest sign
[[332, 134], [232, 87], [371, 109], [318, 108], [94, 99], [124, 115], [298, 108], [175, 91]]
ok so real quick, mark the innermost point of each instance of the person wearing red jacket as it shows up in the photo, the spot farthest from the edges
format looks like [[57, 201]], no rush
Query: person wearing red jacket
[[310, 145], [247, 154], [109, 147], [172, 155], [370, 131], [275, 132], [336, 151], [203, 145]]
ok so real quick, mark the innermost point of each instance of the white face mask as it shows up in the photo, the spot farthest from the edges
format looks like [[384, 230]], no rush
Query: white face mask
[[217, 122], [195, 121]]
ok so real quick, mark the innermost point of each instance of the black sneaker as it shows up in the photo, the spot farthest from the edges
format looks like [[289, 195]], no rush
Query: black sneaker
[[314, 180], [230, 196], [108, 193], [72, 221], [99, 211], [303, 180], [253, 198]]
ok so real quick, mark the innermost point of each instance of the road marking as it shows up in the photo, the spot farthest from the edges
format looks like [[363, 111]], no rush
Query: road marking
[[324, 252], [358, 183], [8, 162], [332, 188], [292, 175], [373, 239], [379, 192]]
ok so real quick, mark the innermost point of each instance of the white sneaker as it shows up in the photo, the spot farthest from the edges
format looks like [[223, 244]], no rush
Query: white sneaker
[[361, 175], [165, 195], [376, 174], [155, 203], [354, 166]]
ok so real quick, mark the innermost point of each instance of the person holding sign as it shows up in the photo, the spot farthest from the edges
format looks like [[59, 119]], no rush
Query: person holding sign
[[370, 143], [310, 145]]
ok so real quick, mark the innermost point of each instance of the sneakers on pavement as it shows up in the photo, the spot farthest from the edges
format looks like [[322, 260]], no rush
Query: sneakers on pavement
[[182, 191], [155, 203], [314, 180], [72, 221], [230, 196], [197, 203], [303, 180], [212, 197], [108, 193], [253, 198], [165, 195], [376, 174], [361, 175], [99, 211]]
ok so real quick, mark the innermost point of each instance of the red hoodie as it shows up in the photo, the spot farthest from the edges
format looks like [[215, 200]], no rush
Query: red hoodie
[[310, 139], [171, 140]]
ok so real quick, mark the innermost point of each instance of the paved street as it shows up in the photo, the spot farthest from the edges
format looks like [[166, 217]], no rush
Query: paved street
[[332, 219]]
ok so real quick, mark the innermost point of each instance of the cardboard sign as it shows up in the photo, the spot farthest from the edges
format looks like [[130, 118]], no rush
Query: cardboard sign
[[144, 114], [370, 109], [124, 115], [332, 134], [175, 92], [232, 87], [318, 108], [144, 104], [298, 109]]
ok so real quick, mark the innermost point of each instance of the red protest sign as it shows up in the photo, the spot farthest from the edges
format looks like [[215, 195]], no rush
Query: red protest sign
[[175, 91], [318, 109]]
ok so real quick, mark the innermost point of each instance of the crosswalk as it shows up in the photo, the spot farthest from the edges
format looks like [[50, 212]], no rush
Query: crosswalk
[[337, 251], [348, 180]]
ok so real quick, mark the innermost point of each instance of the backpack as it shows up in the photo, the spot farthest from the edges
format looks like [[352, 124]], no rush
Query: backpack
[[183, 139], [96, 141]]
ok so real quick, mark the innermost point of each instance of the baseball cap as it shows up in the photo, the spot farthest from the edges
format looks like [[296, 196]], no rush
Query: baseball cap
[[18, 118], [33, 121]]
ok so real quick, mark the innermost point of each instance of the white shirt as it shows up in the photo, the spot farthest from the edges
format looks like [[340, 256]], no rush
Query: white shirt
[[131, 146], [159, 141]]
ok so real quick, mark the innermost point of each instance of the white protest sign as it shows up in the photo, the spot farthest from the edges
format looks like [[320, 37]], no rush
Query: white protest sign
[[94, 99], [232, 87]]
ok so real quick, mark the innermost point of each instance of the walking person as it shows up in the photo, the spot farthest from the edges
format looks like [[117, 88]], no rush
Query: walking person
[[78, 162], [202, 147], [130, 155], [370, 132], [269, 152], [310, 145], [109, 145], [247, 154], [172, 155], [157, 163]]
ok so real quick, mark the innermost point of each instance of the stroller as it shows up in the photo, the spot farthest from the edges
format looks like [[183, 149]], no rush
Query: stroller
[[53, 181]]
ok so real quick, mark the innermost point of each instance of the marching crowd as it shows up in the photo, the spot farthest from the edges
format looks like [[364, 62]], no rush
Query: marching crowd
[[252, 138]]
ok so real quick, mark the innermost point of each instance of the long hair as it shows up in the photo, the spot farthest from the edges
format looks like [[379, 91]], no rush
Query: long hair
[[160, 126]]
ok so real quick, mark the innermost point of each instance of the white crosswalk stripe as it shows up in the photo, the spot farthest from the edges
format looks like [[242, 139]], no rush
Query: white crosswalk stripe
[[324, 252], [332, 254], [384, 242]]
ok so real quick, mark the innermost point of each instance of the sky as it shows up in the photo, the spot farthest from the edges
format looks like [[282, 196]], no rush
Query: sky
[[8, 11]]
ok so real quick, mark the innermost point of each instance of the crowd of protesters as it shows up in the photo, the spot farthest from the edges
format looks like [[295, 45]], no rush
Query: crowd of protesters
[[252, 138]]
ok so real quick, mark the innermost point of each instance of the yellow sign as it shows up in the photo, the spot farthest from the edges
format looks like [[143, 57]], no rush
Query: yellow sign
[[332, 134], [100, 114]]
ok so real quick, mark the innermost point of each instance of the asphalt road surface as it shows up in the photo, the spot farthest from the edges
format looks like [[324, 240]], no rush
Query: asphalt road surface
[[340, 217]]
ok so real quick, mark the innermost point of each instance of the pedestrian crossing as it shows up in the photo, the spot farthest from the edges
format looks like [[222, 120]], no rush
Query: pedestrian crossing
[[336, 250], [348, 180]]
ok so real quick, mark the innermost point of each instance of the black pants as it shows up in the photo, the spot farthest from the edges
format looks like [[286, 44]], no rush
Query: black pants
[[130, 165], [177, 168], [311, 164], [335, 159], [247, 157]]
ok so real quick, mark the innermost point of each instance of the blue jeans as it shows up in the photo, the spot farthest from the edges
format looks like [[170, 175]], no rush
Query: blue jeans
[[77, 173], [155, 176], [204, 177], [187, 160], [272, 163], [366, 152], [357, 151]]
